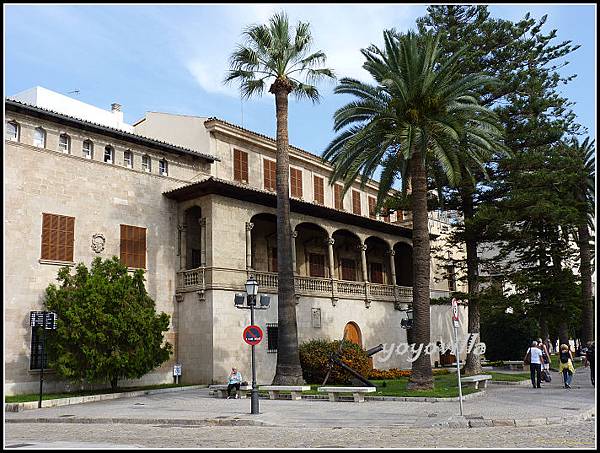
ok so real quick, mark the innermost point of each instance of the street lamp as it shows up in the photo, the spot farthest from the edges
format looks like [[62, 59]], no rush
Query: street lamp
[[251, 293], [407, 323]]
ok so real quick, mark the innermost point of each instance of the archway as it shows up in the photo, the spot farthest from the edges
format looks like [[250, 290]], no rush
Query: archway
[[264, 242], [404, 264], [352, 333], [346, 249], [378, 260], [311, 250]]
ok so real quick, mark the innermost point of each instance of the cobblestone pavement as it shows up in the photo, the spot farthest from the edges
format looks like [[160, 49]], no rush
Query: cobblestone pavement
[[23, 435]]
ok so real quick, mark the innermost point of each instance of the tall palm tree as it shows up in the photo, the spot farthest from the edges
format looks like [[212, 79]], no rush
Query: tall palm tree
[[412, 118], [585, 155], [275, 56]]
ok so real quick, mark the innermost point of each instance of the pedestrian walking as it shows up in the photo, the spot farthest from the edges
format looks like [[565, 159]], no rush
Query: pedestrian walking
[[233, 381], [565, 365], [590, 360], [545, 362], [534, 359]]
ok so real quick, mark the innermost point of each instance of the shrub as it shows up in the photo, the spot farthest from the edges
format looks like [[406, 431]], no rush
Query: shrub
[[314, 358], [395, 373]]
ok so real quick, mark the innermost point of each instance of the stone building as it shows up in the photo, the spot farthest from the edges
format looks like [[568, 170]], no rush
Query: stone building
[[191, 201]]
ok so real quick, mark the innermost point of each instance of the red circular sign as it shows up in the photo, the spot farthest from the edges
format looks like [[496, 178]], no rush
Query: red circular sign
[[253, 335], [454, 310]]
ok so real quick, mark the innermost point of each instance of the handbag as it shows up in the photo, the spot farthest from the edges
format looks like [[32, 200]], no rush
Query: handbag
[[546, 376], [527, 359]]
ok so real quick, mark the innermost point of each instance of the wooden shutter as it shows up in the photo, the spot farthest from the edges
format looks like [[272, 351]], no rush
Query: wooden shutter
[[372, 203], [240, 165], [57, 237], [133, 246], [296, 182], [270, 171], [356, 202], [316, 265], [376, 273], [318, 190], [338, 200], [348, 269]]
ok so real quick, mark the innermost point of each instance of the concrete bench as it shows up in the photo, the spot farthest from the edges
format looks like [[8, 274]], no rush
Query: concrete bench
[[357, 392], [221, 390], [296, 390], [514, 364], [476, 380]]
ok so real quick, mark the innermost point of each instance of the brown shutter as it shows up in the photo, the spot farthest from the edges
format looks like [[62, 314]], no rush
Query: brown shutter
[[296, 182], [317, 265], [356, 202], [339, 204], [318, 190], [57, 237], [270, 171], [376, 273], [133, 246], [348, 270], [240, 166]]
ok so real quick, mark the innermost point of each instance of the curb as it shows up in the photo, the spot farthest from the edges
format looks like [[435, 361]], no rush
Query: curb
[[18, 407], [517, 383], [145, 421], [415, 399]]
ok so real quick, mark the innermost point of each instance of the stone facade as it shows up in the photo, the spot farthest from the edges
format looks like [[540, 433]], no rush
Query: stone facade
[[200, 248]]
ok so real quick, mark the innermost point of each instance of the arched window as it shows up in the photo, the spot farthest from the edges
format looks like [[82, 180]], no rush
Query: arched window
[[39, 137], [128, 159], [146, 163], [88, 149], [109, 154], [163, 167], [12, 131], [64, 143]]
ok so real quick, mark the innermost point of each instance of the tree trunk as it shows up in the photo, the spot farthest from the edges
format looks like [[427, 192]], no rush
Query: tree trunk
[[587, 312], [113, 383], [473, 362], [563, 333], [288, 370], [422, 376]]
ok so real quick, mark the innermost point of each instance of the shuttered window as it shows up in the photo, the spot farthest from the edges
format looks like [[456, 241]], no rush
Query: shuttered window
[[57, 237], [240, 166], [317, 265], [133, 246], [348, 270], [270, 171], [376, 273], [356, 202], [338, 199], [372, 204], [296, 182], [318, 190], [272, 335]]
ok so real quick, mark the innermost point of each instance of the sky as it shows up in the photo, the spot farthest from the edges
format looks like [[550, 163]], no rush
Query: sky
[[173, 58]]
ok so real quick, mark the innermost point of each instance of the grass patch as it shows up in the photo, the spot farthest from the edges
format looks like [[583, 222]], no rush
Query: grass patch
[[512, 377], [51, 396]]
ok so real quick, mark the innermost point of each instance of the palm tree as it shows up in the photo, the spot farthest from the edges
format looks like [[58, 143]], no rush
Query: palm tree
[[273, 55], [585, 155], [410, 120]]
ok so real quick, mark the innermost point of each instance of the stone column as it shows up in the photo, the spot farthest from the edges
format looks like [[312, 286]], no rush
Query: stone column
[[330, 242], [182, 246], [363, 257], [249, 226], [392, 253], [294, 236], [202, 223]]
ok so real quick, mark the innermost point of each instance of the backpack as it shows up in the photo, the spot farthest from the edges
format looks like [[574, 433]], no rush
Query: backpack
[[527, 359], [546, 376], [564, 357]]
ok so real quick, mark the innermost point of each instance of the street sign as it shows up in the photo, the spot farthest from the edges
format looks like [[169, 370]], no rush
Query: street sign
[[36, 319], [177, 370], [252, 335], [454, 310]]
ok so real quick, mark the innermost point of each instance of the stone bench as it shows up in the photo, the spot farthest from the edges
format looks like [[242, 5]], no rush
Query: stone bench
[[514, 364], [357, 392], [221, 390], [296, 390], [476, 380]]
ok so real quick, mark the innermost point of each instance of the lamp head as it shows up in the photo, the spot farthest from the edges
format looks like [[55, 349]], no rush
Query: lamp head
[[252, 286]]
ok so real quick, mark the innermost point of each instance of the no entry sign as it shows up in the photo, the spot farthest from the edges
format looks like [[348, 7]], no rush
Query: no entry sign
[[253, 335]]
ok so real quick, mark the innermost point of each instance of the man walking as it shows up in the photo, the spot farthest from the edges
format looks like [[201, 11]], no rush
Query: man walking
[[535, 364]]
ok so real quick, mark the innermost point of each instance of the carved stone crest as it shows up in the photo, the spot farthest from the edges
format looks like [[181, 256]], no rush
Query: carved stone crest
[[98, 242]]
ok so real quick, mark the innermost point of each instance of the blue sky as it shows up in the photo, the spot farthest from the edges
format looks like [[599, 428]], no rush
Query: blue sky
[[173, 58]]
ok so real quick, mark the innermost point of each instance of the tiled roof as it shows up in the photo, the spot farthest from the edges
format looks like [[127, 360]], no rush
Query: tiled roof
[[111, 130]]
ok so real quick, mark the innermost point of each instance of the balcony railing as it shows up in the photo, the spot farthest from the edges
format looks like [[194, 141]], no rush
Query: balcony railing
[[190, 280]]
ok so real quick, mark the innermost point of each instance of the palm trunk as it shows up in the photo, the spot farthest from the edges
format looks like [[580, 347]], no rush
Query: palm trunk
[[422, 376], [288, 370], [473, 362], [587, 312]]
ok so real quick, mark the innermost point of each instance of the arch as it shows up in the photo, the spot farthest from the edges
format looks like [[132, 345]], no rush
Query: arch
[[403, 259], [352, 333], [312, 258], [193, 243], [378, 263], [263, 239], [347, 255]]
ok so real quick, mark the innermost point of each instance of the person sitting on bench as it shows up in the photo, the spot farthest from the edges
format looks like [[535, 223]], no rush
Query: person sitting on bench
[[234, 380]]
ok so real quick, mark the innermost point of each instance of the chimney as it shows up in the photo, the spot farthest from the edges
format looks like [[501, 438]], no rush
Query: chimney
[[116, 111]]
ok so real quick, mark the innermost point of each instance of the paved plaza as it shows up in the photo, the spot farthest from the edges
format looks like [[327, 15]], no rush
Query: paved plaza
[[503, 416]]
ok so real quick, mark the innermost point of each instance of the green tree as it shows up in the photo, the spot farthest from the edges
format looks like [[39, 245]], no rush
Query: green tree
[[411, 119], [107, 328], [276, 55]]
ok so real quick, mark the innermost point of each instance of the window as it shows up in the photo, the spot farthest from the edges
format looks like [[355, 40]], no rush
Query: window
[[109, 154], [270, 171], [146, 163], [64, 143], [273, 260], [240, 166], [338, 197], [39, 137], [163, 167], [133, 246], [272, 331], [318, 190], [316, 265], [296, 182], [88, 149], [128, 159], [37, 357], [57, 237], [12, 131], [356, 202], [372, 204], [348, 269], [376, 273], [385, 212]]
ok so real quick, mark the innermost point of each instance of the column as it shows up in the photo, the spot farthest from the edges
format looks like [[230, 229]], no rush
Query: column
[[249, 226], [202, 223], [363, 257], [392, 253], [330, 242], [294, 236], [182, 249]]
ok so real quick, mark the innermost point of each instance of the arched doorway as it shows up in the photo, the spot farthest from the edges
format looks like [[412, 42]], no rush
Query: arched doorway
[[352, 333], [404, 264]]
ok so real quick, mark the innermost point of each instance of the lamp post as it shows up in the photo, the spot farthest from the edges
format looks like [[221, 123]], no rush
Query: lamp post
[[252, 291]]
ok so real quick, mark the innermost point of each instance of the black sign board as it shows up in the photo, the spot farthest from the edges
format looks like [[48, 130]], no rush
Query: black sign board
[[37, 318]]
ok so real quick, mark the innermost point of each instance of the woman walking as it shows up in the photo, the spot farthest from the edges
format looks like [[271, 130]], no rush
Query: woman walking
[[565, 365]]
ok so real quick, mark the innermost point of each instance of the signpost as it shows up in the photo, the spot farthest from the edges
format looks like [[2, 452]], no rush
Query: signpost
[[177, 373], [47, 321], [455, 322], [253, 335]]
